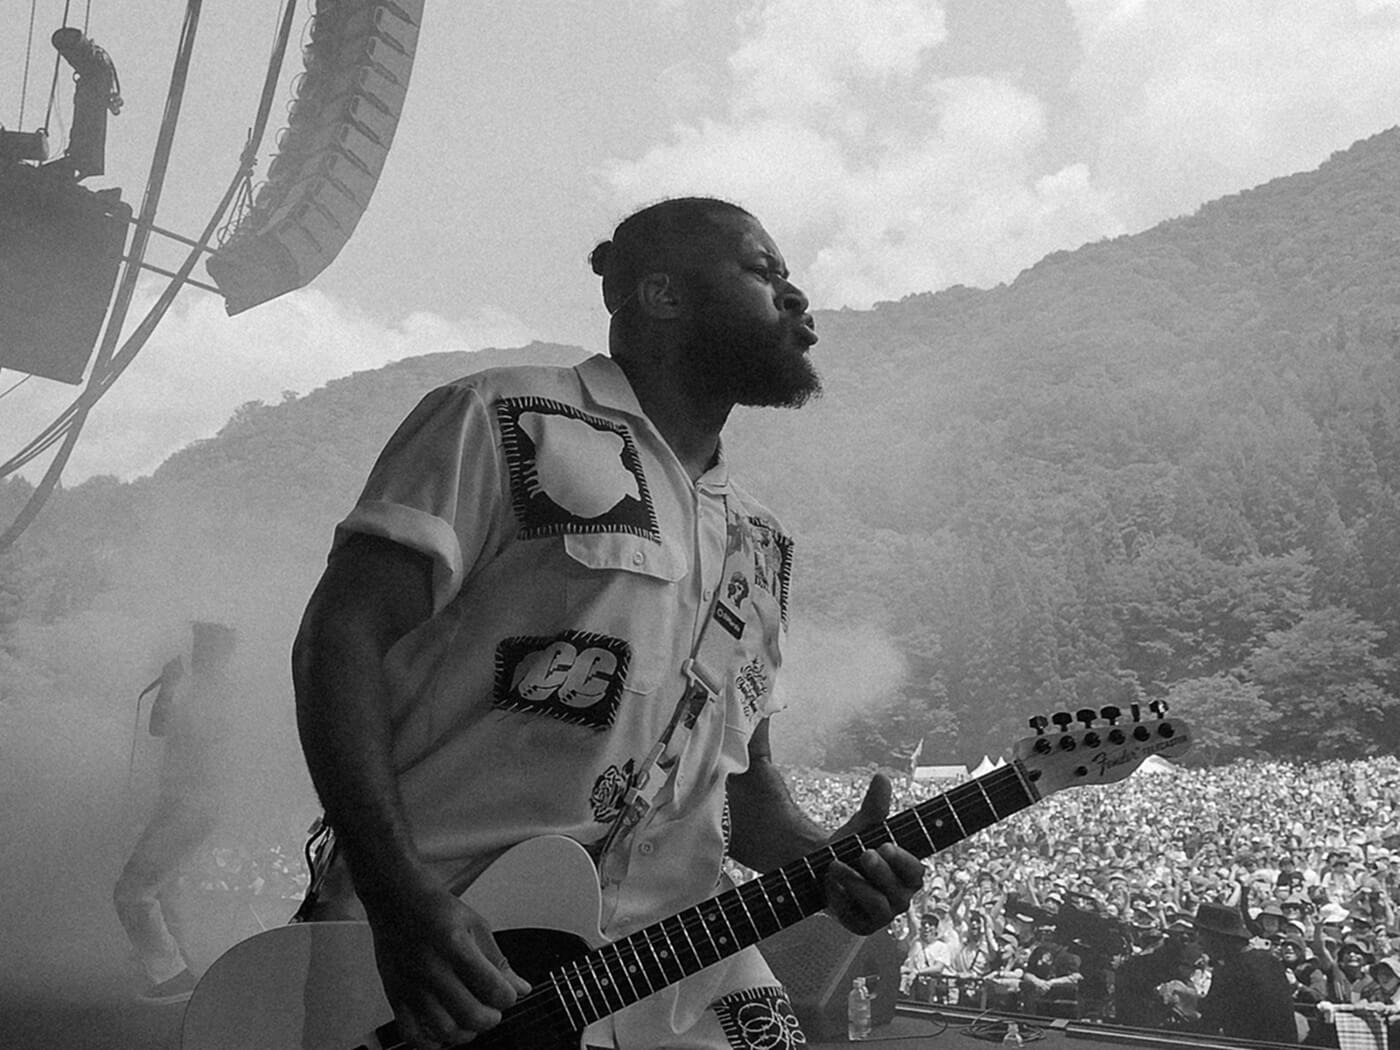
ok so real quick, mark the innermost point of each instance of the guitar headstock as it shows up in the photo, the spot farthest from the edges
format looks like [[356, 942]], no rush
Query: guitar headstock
[[1098, 747]]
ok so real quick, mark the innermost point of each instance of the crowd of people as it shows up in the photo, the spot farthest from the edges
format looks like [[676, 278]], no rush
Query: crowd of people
[[1087, 904]]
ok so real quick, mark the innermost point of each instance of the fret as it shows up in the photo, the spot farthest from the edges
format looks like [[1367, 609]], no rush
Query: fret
[[788, 898], [669, 954], [578, 984], [704, 927], [637, 968], [648, 938], [612, 992], [726, 943], [760, 892], [626, 991], [677, 922], [932, 846], [757, 933], [982, 784], [942, 832], [971, 808], [568, 1003]]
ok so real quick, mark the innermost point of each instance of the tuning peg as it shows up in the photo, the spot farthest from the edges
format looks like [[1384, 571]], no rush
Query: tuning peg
[[1158, 708], [1136, 712], [1086, 715], [1062, 719], [1111, 713], [1039, 723]]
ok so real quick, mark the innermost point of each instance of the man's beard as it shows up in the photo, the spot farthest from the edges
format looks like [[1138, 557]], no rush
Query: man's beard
[[748, 365]]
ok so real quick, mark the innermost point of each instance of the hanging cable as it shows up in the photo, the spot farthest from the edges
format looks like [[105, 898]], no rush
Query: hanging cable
[[53, 84], [16, 386], [28, 51]]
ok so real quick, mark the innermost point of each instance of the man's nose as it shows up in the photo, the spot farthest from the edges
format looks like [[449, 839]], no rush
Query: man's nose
[[793, 300]]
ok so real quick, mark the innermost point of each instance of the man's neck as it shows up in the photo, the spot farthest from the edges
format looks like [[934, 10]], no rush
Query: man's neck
[[689, 427]]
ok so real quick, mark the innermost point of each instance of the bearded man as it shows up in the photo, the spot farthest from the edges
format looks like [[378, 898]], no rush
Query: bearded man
[[543, 561]]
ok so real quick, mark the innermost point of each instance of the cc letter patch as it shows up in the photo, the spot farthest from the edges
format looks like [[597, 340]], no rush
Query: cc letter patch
[[576, 676]]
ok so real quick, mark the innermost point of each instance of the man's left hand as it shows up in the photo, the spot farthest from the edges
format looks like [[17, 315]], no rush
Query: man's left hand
[[866, 897]]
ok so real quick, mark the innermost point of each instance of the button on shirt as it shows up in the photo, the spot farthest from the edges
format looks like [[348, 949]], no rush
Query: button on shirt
[[572, 556]]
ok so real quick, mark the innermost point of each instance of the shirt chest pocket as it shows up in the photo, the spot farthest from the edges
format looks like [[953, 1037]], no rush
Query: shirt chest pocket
[[629, 588]]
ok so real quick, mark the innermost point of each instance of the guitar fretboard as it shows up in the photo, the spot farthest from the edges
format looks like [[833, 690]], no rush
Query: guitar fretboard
[[619, 974]]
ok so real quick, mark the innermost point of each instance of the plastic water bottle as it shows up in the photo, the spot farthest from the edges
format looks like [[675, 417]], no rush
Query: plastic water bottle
[[858, 1011], [1013, 1035]]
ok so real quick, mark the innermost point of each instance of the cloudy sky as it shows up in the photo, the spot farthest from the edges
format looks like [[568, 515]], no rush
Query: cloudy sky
[[891, 146]]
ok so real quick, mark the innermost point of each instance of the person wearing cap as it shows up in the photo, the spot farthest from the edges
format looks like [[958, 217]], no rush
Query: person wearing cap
[[1249, 995], [1298, 969], [1050, 984], [1002, 986], [1383, 997], [930, 958]]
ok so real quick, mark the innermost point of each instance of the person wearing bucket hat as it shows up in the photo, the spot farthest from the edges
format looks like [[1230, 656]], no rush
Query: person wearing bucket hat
[[1249, 995], [1385, 976]]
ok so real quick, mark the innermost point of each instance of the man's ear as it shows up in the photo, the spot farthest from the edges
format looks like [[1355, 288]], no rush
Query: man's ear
[[657, 297]]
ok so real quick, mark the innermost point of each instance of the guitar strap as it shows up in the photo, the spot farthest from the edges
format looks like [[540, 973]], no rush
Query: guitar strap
[[703, 671]]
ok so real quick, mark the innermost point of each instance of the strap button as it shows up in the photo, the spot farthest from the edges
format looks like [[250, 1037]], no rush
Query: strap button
[[645, 849]]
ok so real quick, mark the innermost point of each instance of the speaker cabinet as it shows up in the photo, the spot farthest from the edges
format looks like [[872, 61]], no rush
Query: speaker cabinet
[[818, 959]]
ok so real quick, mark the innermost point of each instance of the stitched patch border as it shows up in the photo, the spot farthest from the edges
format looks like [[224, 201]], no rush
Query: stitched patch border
[[539, 515], [759, 1017], [779, 586], [550, 680]]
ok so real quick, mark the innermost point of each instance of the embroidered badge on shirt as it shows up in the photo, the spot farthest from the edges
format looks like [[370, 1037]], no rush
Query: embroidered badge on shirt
[[575, 676], [759, 1017], [751, 683], [571, 472], [606, 796], [768, 559]]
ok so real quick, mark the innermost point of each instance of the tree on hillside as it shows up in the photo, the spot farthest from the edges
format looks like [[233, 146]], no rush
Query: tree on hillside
[[1230, 719], [1324, 680]]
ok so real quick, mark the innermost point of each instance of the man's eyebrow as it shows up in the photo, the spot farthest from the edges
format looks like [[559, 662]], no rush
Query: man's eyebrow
[[774, 262]]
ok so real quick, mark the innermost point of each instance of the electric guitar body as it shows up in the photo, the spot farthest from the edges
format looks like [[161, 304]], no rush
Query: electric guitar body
[[314, 985]]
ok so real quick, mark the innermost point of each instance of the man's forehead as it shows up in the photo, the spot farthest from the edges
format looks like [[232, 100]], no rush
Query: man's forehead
[[755, 240]]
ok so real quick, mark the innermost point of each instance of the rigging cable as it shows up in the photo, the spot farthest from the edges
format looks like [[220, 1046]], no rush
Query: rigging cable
[[53, 84], [28, 51], [110, 365]]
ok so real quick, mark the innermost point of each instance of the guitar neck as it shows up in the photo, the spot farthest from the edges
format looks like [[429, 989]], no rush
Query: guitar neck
[[618, 974]]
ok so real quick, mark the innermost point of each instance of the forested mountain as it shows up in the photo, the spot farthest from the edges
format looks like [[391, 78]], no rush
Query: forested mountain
[[1164, 465]]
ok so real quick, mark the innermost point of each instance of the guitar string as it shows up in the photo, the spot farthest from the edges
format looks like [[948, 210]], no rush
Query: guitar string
[[544, 1004]]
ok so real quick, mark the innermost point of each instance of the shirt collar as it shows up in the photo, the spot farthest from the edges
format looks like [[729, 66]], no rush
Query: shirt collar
[[606, 384]]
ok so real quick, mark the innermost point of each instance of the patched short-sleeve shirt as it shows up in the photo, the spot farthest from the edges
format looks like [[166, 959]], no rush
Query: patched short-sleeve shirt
[[575, 563]]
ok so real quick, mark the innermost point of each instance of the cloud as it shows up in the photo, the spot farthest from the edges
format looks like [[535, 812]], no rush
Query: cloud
[[882, 175], [201, 364], [812, 54], [1190, 100]]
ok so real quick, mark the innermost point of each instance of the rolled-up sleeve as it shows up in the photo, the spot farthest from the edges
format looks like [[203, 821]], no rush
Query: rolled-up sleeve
[[436, 487]]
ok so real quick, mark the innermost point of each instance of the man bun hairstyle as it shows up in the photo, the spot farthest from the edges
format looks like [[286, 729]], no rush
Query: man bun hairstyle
[[649, 239]]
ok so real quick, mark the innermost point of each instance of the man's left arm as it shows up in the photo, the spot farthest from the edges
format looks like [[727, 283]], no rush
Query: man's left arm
[[767, 830]]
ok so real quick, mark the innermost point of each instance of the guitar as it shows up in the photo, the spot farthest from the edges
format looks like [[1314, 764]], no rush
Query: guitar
[[314, 986]]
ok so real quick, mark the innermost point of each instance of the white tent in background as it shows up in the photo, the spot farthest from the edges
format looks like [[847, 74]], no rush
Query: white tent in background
[[1152, 765], [940, 774], [984, 767]]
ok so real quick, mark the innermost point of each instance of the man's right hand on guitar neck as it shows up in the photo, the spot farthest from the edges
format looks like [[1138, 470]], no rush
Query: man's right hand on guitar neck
[[443, 972]]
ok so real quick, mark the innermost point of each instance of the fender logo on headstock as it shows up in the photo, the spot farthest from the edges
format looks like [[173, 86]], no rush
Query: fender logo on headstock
[[1100, 750]]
